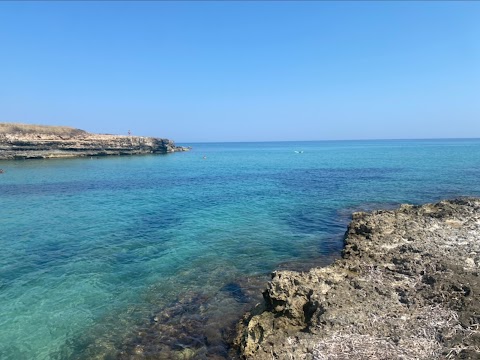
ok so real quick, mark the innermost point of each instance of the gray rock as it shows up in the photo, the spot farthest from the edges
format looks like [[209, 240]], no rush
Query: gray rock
[[407, 287]]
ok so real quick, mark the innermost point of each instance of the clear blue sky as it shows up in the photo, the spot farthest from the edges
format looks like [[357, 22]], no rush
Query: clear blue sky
[[244, 71]]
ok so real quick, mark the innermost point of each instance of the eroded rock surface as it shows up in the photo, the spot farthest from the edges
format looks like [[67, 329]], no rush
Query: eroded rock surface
[[18, 141], [407, 287]]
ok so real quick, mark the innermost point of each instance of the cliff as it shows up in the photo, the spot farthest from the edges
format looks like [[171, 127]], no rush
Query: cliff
[[18, 141], [407, 287]]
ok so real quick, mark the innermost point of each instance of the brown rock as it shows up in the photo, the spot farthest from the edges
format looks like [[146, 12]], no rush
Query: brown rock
[[18, 141], [407, 287]]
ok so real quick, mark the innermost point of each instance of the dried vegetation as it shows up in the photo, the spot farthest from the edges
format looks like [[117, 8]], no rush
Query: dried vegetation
[[26, 129], [407, 287]]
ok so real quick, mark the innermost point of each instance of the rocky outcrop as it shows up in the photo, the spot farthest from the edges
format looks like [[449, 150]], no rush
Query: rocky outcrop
[[407, 287], [18, 141]]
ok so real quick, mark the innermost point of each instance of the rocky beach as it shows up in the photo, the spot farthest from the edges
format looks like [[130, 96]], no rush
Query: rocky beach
[[20, 141], [407, 287]]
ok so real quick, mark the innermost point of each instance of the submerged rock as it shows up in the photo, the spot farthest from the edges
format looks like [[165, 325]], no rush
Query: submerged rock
[[18, 141], [407, 287], [195, 326]]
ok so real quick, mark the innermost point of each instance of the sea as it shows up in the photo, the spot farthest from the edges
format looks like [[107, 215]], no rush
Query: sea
[[109, 256]]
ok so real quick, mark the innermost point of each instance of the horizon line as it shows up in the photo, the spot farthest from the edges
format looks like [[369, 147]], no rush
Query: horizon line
[[325, 140]]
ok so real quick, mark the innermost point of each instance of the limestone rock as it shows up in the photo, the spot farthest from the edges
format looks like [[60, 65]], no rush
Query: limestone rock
[[407, 287], [18, 141]]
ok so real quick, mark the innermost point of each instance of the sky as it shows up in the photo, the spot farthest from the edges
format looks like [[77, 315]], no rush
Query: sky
[[244, 71]]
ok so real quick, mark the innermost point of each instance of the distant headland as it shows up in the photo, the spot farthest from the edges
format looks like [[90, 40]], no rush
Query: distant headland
[[22, 141]]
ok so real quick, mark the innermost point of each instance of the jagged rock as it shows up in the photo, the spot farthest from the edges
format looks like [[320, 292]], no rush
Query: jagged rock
[[407, 287], [18, 141]]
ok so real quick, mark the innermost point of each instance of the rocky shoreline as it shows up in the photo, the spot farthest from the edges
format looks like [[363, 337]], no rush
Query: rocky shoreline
[[18, 141], [407, 287]]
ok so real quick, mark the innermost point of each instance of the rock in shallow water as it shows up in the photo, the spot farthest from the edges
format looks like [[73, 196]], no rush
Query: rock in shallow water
[[196, 326], [407, 287]]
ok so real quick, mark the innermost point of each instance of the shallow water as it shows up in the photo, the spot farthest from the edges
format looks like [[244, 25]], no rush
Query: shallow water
[[91, 248]]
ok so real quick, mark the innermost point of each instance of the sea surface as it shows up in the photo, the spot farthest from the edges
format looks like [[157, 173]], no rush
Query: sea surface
[[92, 248]]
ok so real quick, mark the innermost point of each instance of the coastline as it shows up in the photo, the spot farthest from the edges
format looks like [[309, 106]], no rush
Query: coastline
[[18, 141], [406, 287], [199, 325], [306, 218]]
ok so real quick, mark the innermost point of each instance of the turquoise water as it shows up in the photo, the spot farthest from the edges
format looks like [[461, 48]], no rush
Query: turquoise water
[[92, 247]]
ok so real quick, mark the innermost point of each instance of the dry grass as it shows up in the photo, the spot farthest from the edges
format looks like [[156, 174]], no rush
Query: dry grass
[[355, 346], [421, 344], [24, 129]]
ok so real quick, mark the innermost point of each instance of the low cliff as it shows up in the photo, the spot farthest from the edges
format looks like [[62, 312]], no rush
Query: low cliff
[[407, 287], [18, 141]]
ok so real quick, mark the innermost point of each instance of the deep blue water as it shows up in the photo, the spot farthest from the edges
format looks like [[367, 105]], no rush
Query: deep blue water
[[90, 247]]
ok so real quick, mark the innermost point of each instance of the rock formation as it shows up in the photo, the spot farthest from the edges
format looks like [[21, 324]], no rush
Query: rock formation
[[407, 287], [18, 141]]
